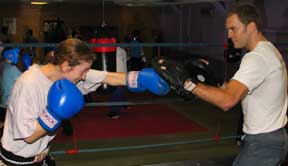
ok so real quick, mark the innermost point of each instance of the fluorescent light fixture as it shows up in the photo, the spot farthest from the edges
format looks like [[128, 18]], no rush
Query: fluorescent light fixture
[[38, 2]]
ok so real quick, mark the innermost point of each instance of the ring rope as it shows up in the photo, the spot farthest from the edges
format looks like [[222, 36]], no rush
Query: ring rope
[[141, 146], [21, 45], [155, 101], [44, 45]]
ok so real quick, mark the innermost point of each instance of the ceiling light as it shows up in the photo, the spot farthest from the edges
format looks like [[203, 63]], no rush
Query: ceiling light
[[38, 2]]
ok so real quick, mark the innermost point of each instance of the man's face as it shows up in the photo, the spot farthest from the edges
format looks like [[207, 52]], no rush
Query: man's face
[[237, 31], [78, 72]]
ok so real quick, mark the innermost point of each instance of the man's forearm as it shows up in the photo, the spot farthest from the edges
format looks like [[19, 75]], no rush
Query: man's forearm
[[217, 96]]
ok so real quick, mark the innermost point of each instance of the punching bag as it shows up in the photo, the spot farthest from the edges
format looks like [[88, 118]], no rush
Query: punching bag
[[105, 59]]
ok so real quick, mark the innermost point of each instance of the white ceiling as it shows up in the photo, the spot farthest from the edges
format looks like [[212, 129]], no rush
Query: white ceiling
[[120, 2]]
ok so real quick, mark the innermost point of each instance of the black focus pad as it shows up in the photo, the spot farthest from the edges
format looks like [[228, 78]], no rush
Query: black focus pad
[[173, 72], [200, 72]]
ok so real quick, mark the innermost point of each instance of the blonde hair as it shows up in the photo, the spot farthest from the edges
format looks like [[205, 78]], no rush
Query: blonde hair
[[72, 50]]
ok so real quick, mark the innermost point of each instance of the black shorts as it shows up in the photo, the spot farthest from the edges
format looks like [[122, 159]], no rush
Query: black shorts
[[10, 159]]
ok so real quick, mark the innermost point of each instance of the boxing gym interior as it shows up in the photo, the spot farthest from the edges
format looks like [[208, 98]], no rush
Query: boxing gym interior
[[148, 130]]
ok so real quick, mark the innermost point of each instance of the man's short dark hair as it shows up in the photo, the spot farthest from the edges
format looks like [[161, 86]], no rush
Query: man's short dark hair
[[247, 13]]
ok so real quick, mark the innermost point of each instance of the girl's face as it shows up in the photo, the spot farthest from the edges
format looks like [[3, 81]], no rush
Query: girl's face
[[78, 72]]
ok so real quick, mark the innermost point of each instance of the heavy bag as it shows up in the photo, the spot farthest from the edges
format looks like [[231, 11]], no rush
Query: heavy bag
[[105, 59]]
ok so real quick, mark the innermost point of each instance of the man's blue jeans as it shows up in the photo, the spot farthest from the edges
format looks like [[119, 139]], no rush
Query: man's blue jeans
[[268, 149]]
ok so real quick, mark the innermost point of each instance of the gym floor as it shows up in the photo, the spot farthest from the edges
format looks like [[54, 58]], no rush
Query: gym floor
[[194, 149]]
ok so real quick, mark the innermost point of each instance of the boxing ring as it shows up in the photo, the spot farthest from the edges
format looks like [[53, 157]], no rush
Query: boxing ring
[[217, 136]]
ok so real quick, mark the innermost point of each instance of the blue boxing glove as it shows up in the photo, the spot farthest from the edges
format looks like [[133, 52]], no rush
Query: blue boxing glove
[[12, 55], [132, 84], [64, 101], [27, 61], [147, 79]]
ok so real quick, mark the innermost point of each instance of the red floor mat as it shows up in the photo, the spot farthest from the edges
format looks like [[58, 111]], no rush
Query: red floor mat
[[140, 120]]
